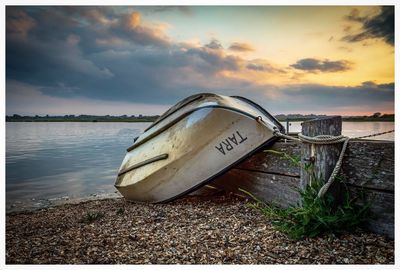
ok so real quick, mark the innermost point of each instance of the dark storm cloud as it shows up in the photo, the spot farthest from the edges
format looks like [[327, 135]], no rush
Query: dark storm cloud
[[104, 61], [49, 46], [365, 97], [18, 22], [40, 62], [386, 86], [344, 95], [212, 60], [380, 26], [313, 65], [130, 27]]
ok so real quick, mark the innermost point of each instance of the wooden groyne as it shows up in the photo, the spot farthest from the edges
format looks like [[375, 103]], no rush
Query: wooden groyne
[[368, 166]]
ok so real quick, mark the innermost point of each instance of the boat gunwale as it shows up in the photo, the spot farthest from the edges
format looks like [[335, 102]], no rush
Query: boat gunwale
[[260, 108], [167, 113]]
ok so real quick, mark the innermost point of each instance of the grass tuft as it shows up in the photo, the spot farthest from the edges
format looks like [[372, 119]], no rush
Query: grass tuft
[[89, 217], [315, 216], [120, 211]]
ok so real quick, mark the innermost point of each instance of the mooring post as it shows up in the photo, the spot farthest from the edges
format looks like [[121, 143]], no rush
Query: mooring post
[[320, 159], [287, 125]]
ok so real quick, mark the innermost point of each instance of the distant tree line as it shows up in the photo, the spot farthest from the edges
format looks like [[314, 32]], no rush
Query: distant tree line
[[82, 118], [301, 117], [151, 118]]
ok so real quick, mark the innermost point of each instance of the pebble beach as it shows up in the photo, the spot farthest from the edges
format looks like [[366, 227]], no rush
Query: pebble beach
[[219, 229]]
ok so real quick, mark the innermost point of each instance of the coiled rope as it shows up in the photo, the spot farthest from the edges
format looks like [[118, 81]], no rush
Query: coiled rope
[[328, 139]]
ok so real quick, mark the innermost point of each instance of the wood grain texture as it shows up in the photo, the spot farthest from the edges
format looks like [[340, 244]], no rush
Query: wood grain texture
[[273, 163], [278, 189], [370, 164], [381, 217], [324, 156]]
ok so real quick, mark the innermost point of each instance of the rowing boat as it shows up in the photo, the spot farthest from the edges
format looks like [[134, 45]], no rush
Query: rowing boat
[[193, 142]]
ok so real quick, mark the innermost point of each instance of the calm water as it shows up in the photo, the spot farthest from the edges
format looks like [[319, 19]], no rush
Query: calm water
[[54, 160], [49, 161], [357, 129]]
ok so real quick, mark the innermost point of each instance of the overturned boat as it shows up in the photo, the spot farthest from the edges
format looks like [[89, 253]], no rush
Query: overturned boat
[[193, 142]]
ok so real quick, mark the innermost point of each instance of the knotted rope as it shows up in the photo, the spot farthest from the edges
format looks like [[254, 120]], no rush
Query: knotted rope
[[327, 139]]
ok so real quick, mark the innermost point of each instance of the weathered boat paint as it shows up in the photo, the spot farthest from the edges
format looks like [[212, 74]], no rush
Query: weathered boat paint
[[199, 139]]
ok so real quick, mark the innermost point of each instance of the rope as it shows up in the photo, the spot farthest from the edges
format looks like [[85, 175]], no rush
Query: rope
[[322, 139], [374, 135], [328, 139], [282, 135], [335, 171]]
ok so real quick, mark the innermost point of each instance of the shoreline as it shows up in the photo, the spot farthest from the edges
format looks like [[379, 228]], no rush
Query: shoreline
[[22, 206], [219, 229], [80, 121], [146, 121]]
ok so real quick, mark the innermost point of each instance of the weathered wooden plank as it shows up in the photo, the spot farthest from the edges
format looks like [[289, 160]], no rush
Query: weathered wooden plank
[[381, 218], [367, 164], [278, 189], [370, 164], [272, 163]]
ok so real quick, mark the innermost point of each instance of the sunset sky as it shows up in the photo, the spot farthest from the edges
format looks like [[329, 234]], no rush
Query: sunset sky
[[142, 60]]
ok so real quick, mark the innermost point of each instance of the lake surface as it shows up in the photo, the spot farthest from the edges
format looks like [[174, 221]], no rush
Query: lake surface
[[49, 162], [357, 129]]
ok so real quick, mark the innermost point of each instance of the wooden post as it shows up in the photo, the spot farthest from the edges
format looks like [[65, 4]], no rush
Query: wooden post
[[287, 125], [322, 157]]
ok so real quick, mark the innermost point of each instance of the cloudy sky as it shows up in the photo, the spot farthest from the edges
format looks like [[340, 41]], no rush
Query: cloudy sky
[[142, 60]]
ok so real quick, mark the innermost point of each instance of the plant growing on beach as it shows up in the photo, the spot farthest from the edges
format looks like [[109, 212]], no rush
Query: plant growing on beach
[[120, 211], [89, 217], [314, 215]]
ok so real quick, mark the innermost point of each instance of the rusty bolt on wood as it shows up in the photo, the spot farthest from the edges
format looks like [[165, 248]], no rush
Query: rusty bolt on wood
[[310, 159]]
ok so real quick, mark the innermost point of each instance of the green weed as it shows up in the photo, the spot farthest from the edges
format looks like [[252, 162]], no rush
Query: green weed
[[120, 211], [89, 217], [314, 215]]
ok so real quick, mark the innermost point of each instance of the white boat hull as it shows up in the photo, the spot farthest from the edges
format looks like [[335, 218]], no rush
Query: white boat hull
[[188, 149]]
